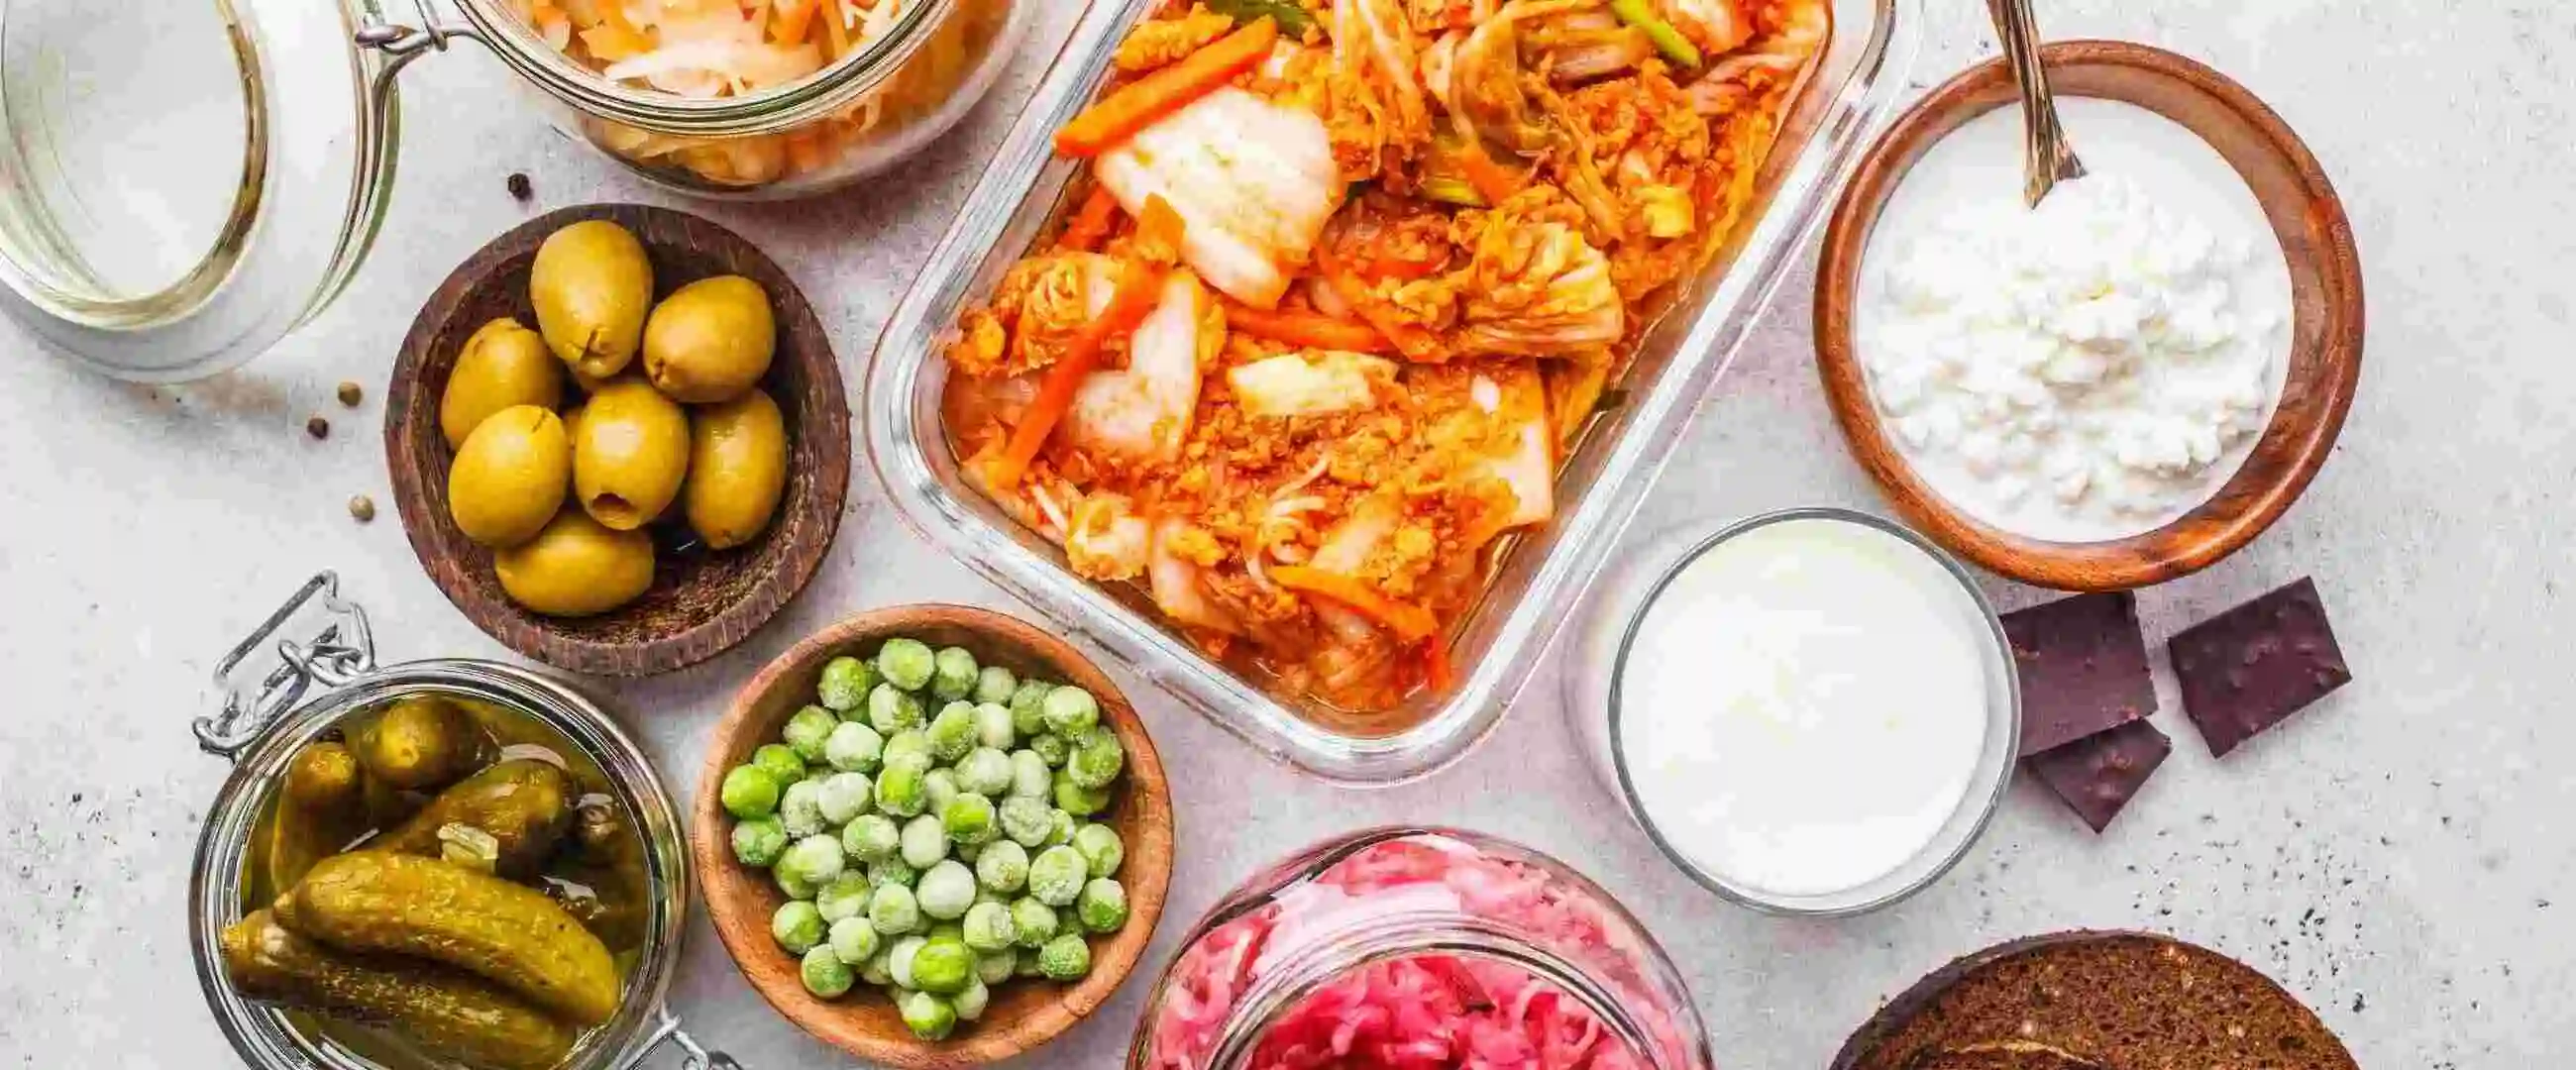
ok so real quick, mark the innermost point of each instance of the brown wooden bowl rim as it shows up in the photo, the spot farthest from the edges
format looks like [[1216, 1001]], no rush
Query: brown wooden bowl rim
[[1146, 876], [815, 518], [2168, 552], [1919, 996]]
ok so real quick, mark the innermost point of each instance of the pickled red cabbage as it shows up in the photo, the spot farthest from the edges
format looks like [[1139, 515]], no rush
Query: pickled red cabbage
[[1422, 1012]]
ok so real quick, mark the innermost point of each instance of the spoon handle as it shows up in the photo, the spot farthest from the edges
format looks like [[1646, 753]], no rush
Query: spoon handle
[[2047, 158]]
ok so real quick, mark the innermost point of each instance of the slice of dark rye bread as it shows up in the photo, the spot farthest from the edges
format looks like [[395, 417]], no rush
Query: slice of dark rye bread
[[2124, 1001], [2003, 1055]]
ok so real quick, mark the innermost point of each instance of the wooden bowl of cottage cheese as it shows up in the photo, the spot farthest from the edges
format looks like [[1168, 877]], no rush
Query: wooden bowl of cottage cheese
[[2130, 381]]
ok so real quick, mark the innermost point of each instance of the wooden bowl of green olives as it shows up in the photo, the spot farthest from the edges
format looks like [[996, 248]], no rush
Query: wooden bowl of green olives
[[626, 517], [933, 836]]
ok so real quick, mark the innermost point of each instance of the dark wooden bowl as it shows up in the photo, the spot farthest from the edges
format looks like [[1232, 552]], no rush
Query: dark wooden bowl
[[1024, 1013], [702, 602], [2326, 314], [1900, 1035]]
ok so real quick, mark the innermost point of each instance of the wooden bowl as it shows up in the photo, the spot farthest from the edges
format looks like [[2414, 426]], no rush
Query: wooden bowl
[[702, 602], [2326, 314], [1024, 1013]]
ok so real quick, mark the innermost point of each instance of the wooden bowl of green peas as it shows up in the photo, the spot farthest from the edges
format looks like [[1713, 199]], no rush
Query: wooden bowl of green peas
[[933, 836]]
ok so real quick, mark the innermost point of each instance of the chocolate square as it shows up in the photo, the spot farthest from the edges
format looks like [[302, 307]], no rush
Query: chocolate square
[[2083, 668], [2099, 774], [2253, 666]]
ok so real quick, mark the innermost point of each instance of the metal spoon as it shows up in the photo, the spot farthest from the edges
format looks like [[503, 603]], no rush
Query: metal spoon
[[2047, 159]]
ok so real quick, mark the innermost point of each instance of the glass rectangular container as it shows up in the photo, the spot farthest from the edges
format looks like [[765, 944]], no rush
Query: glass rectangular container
[[1851, 91]]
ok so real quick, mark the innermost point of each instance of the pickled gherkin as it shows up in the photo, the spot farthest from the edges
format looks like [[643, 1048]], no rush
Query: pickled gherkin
[[422, 742], [376, 902], [524, 803], [448, 1013]]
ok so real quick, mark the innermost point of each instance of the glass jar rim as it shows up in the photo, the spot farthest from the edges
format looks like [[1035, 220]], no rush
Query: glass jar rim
[[836, 86], [1984, 797], [258, 1034]]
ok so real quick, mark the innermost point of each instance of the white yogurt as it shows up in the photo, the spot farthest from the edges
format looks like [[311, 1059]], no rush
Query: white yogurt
[[2089, 370], [1805, 711]]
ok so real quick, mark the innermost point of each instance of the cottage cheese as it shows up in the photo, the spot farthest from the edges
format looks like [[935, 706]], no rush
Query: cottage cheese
[[2090, 369]]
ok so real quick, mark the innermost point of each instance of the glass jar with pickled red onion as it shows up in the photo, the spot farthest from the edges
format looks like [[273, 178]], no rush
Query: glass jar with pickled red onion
[[1420, 949]]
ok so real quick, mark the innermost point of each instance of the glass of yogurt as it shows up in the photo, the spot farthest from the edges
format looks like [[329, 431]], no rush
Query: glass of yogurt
[[1811, 712]]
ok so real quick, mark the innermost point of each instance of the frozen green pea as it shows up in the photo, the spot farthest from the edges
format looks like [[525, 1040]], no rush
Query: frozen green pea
[[988, 927], [1051, 749], [801, 808], [938, 786], [993, 726], [891, 710], [943, 966], [870, 838], [902, 789], [911, 744], [900, 956], [853, 748], [1101, 848], [890, 871], [749, 791], [994, 686], [946, 891], [1069, 711], [815, 859], [906, 663], [1065, 958], [950, 929], [1003, 868], [1036, 922], [971, 1001], [925, 842], [928, 1016], [844, 797], [792, 886], [1030, 777], [1027, 704], [954, 673], [781, 762], [1102, 906], [758, 842], [806, 731], [892, 911], [1077, 800], [819, 771], [1056, 876], [1027, 966], [846, 897], [1097, 759], [965, 852], [875, 972], [825, 974], [855, 941], [952, 733], [995, 967], [845, 683], [969, 819], [1026, 821], [985, 771], [1059, 828], [797, 926]]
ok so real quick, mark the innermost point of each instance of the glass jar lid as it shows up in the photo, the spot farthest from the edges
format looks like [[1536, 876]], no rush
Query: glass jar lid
[[170, 226]]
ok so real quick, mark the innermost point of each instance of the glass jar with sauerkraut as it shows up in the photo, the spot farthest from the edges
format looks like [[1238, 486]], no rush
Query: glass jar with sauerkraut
[[758, 98], [1419, 949]]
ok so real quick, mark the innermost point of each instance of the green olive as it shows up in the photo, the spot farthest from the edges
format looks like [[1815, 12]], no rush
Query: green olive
[[576, 568], [503, 364], [592, 286], [710, 340], [509, 477], [632, 454], [737, 469]]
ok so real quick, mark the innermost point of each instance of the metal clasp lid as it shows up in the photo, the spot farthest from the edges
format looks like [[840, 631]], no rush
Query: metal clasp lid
[[693, 1056], [259, 681]]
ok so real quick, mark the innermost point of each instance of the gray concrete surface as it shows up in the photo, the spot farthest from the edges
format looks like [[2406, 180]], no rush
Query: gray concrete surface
[[2397, 856]]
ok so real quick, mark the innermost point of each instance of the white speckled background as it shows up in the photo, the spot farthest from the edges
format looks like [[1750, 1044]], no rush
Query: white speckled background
[[2392, 855]]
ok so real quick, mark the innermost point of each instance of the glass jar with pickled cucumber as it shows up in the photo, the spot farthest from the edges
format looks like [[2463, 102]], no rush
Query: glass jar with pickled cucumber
[[168, 228], [431, 864]]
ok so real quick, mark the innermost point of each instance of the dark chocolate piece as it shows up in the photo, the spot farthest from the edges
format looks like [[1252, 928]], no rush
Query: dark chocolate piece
[[2099, 774], [2083, 668], [2250, 668]]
